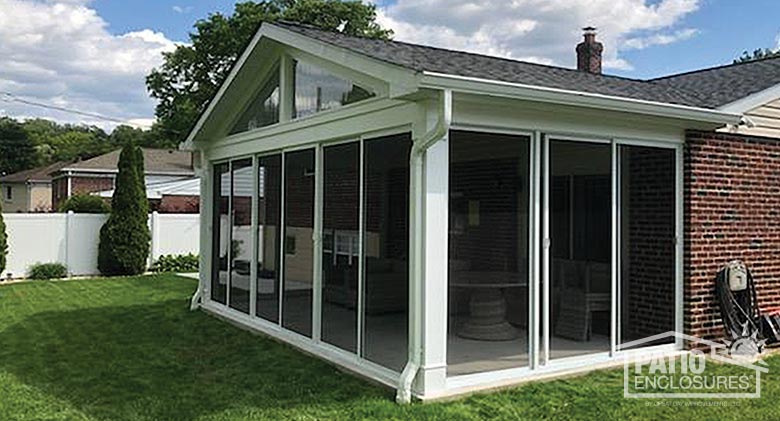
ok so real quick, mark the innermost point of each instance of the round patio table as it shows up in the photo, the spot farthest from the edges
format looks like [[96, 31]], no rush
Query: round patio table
[[487, 304]]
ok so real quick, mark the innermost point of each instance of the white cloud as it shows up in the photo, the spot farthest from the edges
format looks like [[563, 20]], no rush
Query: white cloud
[[543, 31], [60, 52], [182, 9]]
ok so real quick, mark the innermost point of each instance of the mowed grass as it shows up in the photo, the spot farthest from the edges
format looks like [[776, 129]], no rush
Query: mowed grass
[[129, 349]]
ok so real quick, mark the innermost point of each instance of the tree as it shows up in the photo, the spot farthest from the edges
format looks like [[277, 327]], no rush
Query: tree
[[17, 152], [3, 241], [125, 237], [192, 73], [758, 54]]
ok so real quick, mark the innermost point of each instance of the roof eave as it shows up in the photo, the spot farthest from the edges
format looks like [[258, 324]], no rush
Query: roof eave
[[490, 87]]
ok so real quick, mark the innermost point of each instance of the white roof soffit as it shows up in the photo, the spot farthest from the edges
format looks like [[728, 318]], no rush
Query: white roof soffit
[[576, 98]]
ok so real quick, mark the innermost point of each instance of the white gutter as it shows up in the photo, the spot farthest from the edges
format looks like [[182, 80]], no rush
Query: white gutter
[[481, 86], [417, 244]]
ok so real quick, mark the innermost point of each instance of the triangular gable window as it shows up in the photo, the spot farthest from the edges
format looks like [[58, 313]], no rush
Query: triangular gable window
[[264, 109], [317, 90]]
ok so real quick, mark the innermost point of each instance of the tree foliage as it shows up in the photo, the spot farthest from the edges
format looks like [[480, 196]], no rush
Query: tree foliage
[[85, 203], [125, 237], [757, 54], [17, 152], [192, 73]]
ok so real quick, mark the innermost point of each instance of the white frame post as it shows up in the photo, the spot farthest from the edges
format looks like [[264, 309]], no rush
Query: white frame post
[[615, 266], [255, 240], [545, 244], [316, 238]]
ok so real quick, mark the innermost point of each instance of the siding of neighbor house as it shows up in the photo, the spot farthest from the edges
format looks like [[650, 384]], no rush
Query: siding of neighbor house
[[766, 119], [18, 202], [40, 197], [732, 211]]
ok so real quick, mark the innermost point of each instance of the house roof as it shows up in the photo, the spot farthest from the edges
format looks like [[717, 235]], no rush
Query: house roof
[[156, 161], [40, 174], [430, 59], [722, 85]]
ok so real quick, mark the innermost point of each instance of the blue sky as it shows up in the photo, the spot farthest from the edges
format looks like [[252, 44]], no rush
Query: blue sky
[[93, 55]]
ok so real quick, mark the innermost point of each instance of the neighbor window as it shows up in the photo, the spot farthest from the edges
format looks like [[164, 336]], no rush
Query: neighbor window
[[318, 90], [264, 109], [9, 194]]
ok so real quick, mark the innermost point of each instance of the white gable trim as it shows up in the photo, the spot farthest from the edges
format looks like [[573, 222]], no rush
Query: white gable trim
[[401, 81], [753, 101]]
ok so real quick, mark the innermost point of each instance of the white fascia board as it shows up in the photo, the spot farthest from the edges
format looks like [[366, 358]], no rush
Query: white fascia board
[[480, 86], [753, 101], [401, 81]]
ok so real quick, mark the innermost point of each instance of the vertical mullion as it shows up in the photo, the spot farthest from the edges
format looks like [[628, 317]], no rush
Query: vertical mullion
[[283, 228], [255, 240], [614, 250], [546, 279], [316, 322], [361, 252], [229, 265], [679, 244], [533, 249]]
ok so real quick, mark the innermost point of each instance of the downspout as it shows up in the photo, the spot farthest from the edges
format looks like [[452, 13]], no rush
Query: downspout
[[416, 244]]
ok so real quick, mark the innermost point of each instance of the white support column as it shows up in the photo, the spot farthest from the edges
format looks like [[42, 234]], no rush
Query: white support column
[[679, 302], [433, 373], [534, 269], [615, 267], [206, 222], [319, 179], [154, 229]]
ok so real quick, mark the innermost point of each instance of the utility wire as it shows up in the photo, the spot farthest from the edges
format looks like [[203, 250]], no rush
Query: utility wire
[[9, 97]]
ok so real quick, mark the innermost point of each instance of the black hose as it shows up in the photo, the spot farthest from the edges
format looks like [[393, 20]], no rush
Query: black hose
[[739, 309]]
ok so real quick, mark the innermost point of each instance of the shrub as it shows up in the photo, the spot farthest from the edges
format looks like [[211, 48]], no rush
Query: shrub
[[3, 241], [85, 203], [177, 263], [125, 237], [47, 271]]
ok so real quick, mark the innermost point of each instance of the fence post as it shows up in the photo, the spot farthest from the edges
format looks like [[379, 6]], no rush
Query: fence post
[[154, 249], [68, 242]]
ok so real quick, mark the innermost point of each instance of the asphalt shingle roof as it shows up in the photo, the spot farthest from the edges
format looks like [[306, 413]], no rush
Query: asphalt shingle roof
[[155, 161], [42, 174], [709, 88]]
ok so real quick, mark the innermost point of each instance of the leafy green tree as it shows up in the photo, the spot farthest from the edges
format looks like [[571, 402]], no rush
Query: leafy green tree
[[17, 152], [192, 73], [85, 203], [3, 241], [758, 54], [125, 237]]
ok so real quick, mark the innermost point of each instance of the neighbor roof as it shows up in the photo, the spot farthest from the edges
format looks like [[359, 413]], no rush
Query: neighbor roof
[[709, 88], [723, 85], [156, 161], [40, 174]]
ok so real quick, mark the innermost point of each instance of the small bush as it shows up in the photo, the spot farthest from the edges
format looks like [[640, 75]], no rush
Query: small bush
[[47, 271], [85, 203], [176, 263]]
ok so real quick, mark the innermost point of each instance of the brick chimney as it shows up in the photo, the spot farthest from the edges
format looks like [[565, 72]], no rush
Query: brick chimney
[[589, 52]]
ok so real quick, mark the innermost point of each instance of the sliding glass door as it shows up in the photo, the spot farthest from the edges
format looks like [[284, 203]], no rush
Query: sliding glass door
[[579, 251]]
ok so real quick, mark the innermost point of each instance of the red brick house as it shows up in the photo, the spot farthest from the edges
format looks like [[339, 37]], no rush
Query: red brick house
[[98, 174]]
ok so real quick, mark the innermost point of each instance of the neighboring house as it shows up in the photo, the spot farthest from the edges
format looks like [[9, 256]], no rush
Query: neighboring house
[[178, 196], [29, 190], [443, 222], [99, 173]]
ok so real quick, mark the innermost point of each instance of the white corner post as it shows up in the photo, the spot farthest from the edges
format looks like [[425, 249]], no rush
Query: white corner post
[[154, 228], [426, 369], [204, 171], [69, 231]]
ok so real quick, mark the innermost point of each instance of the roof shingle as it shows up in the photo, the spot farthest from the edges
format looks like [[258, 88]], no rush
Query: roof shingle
[[158, 161]]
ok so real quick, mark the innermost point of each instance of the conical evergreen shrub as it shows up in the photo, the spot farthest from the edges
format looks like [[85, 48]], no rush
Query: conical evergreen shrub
[[125, 237], [3, 241]]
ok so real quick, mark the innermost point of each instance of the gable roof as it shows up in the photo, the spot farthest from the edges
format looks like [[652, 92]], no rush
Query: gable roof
[[40, 174], [420, 58], [156, 161], [723, 85]]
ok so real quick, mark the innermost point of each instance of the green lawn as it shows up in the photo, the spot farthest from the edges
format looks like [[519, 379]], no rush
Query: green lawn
[[129, 349]]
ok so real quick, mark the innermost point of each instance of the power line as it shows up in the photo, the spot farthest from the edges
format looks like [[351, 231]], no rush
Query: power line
[[9, 97]]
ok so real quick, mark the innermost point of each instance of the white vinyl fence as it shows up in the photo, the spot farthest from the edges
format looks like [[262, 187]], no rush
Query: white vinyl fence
[[72, 239]]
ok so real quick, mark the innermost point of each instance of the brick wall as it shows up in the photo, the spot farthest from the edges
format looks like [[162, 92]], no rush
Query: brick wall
[[179, 204], [83, 185], [732, 211]]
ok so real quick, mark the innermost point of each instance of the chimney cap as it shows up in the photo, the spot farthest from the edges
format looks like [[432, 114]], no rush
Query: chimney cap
[[589, 29]]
